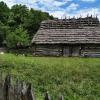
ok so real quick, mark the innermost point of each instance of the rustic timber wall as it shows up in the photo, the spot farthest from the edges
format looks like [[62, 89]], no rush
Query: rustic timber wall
[[48, 50], [3, 50], [91, 50], [19, 90], [56, 50], [76, 51], [71, 50], [67, 50]]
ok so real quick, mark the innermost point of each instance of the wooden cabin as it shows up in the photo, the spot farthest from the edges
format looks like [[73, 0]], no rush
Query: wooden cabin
[[68, 37]]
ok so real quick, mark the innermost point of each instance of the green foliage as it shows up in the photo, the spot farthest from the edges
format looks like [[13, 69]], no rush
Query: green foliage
[[75, 78], [3, 31], [20, 15], [32, 24], [4, 12], [17, 38]]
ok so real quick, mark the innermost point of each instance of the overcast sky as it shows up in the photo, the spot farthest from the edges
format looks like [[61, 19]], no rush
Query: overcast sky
[[62, 8]]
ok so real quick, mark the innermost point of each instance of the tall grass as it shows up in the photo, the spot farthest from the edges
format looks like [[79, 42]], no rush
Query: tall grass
[[75, 78]]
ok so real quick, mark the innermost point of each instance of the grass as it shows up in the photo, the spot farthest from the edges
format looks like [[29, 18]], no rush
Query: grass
[[75, 78]]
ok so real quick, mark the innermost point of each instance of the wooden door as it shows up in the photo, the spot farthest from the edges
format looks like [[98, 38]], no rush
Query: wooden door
[[66, 51]]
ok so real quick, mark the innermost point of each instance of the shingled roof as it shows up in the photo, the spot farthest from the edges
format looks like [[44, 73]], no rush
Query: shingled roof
[[56, 36], [72, 35]]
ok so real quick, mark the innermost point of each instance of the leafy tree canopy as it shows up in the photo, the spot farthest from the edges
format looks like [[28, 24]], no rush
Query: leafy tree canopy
[[17, 38], [4, 12], [19, 15]]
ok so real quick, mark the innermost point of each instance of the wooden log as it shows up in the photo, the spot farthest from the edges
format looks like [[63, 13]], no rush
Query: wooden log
[[29, 93], [1, 86], [23, 92], [26, 93], [1, 79], [47, 96], [61, 97], [17, 90], [6, 88]]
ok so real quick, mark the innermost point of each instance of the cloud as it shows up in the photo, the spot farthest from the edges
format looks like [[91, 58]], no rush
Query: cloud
[[88, 0], [62, 12], [90, 11], [45, 5], [10, 3], [82, 13], [67, 0], [50, 2], [58, 3], [58, 14], [72, 6], [37, 4]]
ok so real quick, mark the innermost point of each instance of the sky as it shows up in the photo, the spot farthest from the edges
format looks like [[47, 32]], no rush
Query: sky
[[62, 8]]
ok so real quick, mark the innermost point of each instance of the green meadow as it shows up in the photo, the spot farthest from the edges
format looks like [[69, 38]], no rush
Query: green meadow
[[75, 78]]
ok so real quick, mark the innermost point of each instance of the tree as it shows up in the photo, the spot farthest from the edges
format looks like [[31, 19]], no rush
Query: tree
[[32, 24], [3, 30], [4, 12], [18, 38], [18, 15]]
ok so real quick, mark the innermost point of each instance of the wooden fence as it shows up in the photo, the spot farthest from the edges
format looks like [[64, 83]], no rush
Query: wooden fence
[[18, 90]]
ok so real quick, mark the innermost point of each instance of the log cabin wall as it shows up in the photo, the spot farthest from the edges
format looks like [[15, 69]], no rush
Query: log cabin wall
[[47, 50], [71, 50], [91, 50], [65, 51], [76, 51], [56, 50]]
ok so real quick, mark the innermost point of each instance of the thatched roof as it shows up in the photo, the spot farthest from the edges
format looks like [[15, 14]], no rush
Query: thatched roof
[[68, 31], [70, 23], [56, 36]]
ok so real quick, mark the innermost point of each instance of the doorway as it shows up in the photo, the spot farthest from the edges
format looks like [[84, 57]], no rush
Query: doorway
[[71, 51]]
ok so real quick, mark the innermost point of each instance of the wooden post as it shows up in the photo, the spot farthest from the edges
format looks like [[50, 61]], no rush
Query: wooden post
[[1, 80], [23, 91], [61, 97], [1, 77], [29, 93], [1, 86], [47, 96], [6, 88], [17, 90]]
